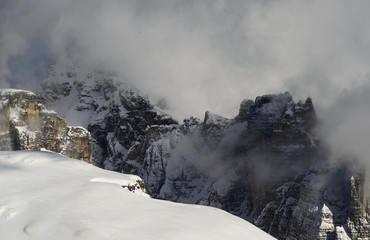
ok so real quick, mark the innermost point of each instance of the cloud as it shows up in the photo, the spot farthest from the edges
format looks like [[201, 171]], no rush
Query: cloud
[[198, 55], [345, 125]]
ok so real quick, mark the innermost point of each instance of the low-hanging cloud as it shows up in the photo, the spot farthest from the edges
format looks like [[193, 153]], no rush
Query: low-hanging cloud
[[198, 55], [345, 125]]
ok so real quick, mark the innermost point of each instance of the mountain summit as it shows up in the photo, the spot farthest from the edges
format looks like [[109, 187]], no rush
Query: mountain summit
[[266, 165]]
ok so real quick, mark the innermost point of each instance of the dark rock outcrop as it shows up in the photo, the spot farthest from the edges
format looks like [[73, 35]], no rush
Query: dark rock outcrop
[[326, 203], [233, 164]]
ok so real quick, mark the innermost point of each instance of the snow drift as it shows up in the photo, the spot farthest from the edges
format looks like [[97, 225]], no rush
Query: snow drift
[[48, 196]]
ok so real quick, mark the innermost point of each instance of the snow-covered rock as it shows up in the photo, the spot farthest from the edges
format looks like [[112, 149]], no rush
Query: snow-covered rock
[[255, 166], [25, 124], [48, 196], [326, 203], [233, 164], [117, 117]]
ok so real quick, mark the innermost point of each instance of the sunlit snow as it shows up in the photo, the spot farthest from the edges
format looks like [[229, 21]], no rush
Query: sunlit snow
[[47, 196]]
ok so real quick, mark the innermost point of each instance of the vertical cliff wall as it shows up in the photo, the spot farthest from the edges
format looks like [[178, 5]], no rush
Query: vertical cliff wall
[[25, 124]]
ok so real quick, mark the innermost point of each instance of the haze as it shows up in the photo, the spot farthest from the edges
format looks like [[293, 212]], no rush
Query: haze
[[204, 55]]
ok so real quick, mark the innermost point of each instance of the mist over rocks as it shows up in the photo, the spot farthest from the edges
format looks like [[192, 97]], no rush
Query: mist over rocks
[[116, 115], [233, 164], [327, 202], [195, 54], [266, 165], [192, 56]]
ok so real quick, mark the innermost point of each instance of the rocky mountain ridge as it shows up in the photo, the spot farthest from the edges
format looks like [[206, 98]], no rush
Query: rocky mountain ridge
[[117, 117], [266, 165]]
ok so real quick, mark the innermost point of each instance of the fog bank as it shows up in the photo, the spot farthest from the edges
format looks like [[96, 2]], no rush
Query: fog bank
[[204, 55]]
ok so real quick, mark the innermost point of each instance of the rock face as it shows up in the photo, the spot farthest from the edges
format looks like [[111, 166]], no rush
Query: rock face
[[234, 164], [25, 124], [117, 117], [214, 162], [326, 203], [265, 165]]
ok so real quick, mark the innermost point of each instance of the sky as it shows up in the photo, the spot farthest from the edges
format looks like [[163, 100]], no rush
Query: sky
[[202, 55]]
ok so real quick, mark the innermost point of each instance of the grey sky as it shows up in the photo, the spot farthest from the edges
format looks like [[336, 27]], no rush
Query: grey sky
[[199, 55]]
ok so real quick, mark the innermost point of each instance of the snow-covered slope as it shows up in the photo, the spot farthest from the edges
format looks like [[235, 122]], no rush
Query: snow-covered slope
[[47, 196]]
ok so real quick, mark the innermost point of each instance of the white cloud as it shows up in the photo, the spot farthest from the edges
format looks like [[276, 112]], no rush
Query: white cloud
[[199, 55]]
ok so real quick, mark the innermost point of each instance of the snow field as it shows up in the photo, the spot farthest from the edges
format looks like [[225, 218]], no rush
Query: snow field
[[47, 196]]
